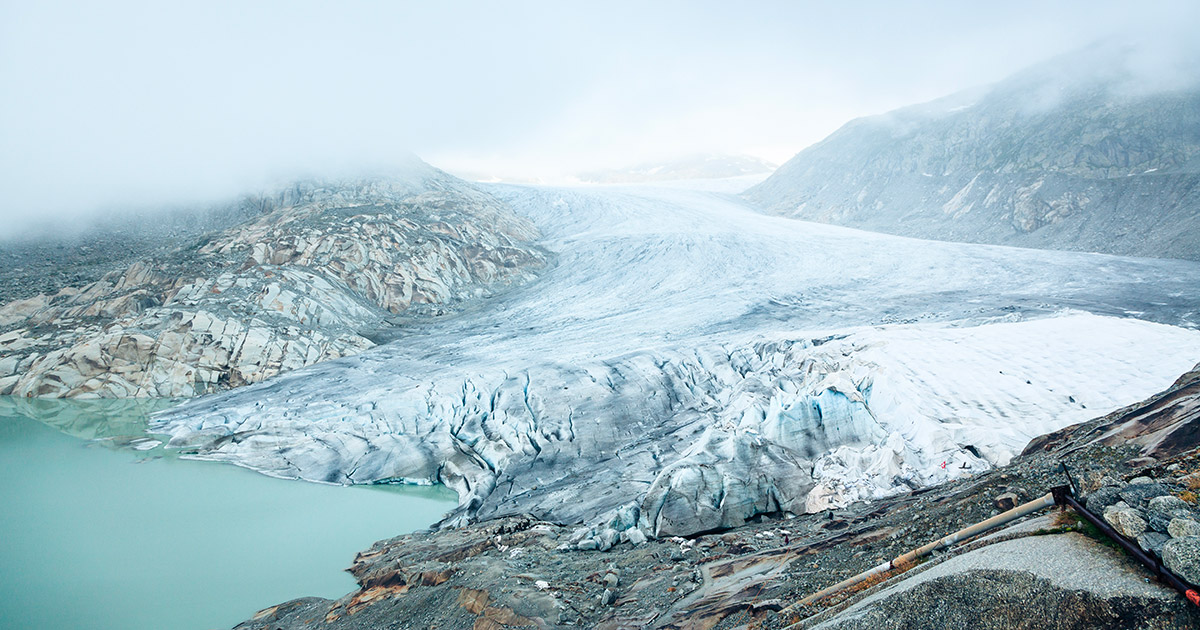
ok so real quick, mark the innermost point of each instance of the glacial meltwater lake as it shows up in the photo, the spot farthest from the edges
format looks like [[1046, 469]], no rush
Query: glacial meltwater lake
[[97, 535]]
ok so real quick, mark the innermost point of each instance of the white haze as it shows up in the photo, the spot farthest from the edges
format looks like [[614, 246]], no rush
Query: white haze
[[124, 104]]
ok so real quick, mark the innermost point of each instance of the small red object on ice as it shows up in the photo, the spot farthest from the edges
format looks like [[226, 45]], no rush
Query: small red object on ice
[[943, 465]]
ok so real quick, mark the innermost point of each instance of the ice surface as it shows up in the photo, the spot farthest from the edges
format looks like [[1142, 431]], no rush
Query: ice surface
[[709, 363]]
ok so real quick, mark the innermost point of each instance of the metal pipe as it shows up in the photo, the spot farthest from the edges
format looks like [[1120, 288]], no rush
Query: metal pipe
[[907, 559], [1133, 550]]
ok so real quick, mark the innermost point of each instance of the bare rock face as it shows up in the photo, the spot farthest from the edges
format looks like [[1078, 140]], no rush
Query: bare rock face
[[1006, 600], [323, 272]]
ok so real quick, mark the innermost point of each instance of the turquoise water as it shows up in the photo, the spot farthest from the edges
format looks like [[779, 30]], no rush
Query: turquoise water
[[97, 535]]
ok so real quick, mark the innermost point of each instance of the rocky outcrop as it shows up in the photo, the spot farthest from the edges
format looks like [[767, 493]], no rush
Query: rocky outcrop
[[324, 271], [1077, 153], [43, 262]]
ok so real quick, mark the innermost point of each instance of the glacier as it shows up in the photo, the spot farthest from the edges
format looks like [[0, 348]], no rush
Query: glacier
[[688, 363]]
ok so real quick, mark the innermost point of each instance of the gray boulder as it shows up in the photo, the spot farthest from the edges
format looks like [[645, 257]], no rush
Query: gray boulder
[[1182, 557], [611, 579], [1139, 495], [1153, 542], [1183, 527], [1126, 521], [1099, 500], [1160, 511], [326, 271], [1006, 501]]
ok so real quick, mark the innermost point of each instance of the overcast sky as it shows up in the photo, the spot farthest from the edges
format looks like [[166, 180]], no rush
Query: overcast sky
[[116, 103]]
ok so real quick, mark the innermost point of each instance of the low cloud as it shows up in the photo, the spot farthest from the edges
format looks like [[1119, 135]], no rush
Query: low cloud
[[129, 104]]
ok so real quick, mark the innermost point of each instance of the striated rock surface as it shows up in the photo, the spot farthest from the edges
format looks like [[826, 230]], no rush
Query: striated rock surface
[[1101, 161], [324, 270]]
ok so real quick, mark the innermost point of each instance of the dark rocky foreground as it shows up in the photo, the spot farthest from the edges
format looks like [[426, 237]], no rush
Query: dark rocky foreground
[[1047, 572]]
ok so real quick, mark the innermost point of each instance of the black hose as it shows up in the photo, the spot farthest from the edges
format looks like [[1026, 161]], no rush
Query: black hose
[[1065, 497]]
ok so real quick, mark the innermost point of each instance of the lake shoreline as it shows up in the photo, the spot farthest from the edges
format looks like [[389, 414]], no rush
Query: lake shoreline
[[153, 540]]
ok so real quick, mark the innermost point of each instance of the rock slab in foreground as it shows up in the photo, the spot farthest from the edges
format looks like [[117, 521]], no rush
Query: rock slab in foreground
[[1182, 557], [1062, 582]]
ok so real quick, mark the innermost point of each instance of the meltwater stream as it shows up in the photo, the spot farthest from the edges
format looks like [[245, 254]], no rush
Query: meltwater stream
[[96, 534]]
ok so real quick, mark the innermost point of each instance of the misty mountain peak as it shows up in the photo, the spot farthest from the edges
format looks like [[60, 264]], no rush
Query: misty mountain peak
[[1050, 157]]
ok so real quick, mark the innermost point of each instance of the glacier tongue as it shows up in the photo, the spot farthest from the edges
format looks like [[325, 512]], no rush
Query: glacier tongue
[[710, 364]]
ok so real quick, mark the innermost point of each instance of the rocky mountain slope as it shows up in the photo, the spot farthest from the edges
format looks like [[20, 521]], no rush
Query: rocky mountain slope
[[321, 270], [1079, 153]]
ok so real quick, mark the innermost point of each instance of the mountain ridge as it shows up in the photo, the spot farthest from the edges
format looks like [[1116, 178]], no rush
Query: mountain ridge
[[1093, 163]]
